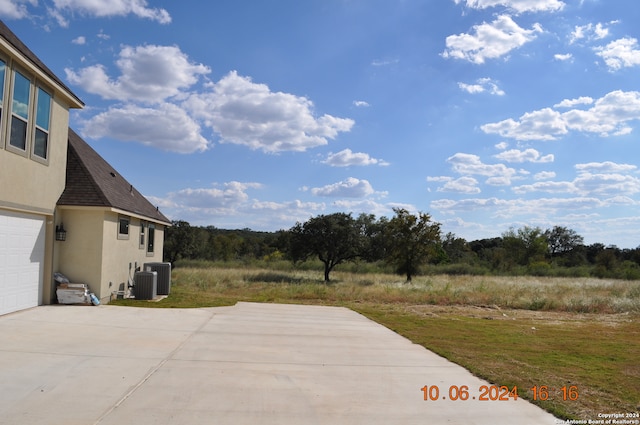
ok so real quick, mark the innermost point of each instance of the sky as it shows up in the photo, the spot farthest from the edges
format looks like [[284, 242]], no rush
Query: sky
[[485, 114]]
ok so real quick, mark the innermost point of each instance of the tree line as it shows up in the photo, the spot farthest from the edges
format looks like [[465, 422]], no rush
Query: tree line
[[409, 244]]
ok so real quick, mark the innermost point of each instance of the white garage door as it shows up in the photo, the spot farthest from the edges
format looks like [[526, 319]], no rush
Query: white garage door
[[22, 240]]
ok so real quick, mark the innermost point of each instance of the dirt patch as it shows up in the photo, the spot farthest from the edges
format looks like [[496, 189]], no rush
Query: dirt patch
[[546, 317]]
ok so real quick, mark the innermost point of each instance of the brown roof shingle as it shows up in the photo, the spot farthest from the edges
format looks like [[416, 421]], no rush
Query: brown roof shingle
[[91, 181]]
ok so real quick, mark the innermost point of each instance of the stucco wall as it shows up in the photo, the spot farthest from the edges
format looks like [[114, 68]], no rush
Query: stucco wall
[[32, 186], [93, 253], [80, 256]]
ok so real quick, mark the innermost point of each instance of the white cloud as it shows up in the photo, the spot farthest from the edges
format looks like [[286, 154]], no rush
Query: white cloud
[[360, 103], [589, 32], [149, 73], [346, 158], [349, 188], [622, 53], [15, 9], [482, 85], [607, 184], [519, 6], [79, 40], [489, 40], [466, 184], [563, 57], [569, 103], [166, 127], [527, 155], [609, 116], [250, 114], [605, 167], [544, 175], [109, 8], [546, 186], [468, 164]]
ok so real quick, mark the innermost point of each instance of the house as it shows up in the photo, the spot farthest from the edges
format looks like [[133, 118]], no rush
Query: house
[[111, 229], [35, 148]]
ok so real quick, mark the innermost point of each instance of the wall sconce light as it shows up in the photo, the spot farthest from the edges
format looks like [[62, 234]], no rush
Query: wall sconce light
[[61, 234]]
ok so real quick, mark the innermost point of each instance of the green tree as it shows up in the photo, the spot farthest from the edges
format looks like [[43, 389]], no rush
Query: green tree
[[333, 238], [179, 241], [411, 240], [525, 245], [562, 240]]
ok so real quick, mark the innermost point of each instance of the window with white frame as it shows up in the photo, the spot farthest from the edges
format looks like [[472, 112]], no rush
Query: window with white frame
[[143, 226], [151, 235], [3, 71], [43, 116], [123, 227], [19, 123]]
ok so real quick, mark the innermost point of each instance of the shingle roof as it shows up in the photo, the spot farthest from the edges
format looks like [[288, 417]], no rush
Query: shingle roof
[[12, 39], [91, 181]]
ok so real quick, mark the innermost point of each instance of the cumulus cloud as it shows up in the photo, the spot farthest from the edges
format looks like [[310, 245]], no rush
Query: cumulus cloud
[[467, 185], [622, 53], [360, 104], [79, 40], [609, 115], [148, 73], [489, 40], [110, 8], [468, 164], [250, 114], [16, 9], [482, 85], [589, 32], [163, 80], [518, 6], [563, 57], [347, 158], [544, 175], [165, 126], [527, 155], [349, 188], [605, 167], [569, 103]]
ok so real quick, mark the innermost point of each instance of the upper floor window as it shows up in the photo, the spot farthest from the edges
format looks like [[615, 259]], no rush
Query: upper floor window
[[3, 68], [20, 111], [43, 114]]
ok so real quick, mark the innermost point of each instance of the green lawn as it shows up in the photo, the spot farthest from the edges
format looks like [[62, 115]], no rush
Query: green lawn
[[581, 334]]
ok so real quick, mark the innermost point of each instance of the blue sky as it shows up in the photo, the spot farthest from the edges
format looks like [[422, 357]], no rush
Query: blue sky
[[487, 114]]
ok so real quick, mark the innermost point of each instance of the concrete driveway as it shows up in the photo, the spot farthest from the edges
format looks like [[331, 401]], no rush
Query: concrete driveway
[[246, 364]]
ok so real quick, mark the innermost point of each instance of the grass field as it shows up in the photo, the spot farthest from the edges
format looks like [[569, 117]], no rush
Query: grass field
[[581, 334]]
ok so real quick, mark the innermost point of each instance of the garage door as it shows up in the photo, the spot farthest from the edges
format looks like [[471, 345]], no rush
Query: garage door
[[22, 241]]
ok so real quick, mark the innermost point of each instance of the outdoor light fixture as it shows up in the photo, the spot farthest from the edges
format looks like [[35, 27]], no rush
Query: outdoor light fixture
[[61, 234]]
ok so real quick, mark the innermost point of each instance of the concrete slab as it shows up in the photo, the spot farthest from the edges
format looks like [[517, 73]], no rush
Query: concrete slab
[[246, 364]]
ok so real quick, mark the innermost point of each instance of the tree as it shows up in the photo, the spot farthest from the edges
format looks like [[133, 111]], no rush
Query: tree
[[333, 238], [179, 241], [562, 240], [525, 245], [411, 240]]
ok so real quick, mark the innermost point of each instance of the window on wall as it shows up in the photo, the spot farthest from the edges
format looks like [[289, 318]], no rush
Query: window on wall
[[123, 227], [3, 70], [151, 235], [43, 115], [20, 111], [143, 226]]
